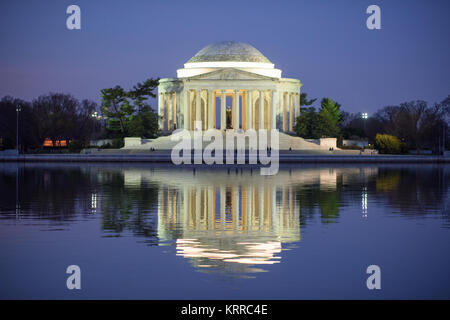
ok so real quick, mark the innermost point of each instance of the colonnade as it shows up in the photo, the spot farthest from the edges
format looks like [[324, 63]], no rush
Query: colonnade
[[250, 109], [167, 111]]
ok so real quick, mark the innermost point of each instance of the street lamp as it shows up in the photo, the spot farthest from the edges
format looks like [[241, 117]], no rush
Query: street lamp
[[96, 115], [364, 116], [18, 109]]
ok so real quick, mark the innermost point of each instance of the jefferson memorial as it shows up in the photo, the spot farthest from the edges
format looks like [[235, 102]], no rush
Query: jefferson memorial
[[228, 85]]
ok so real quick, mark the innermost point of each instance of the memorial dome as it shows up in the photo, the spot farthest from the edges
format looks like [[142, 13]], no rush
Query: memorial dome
[[229, 54], [229, 51]]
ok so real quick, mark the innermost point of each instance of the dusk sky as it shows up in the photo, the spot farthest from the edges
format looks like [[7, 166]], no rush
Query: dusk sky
[[325, 44]]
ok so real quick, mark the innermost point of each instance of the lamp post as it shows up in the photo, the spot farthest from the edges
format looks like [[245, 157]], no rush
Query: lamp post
[[95, 115], [18, 109], [364, 116]]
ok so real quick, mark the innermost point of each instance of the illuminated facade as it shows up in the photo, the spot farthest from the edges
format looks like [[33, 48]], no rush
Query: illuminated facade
[[228, 85]]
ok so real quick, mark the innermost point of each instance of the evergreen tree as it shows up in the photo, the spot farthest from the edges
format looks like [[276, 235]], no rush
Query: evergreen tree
[[307, 123], [329, 118], [127, 113]]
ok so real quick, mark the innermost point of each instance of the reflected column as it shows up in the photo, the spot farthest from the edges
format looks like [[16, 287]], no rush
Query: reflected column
[[261, 206], [222, 206], [210, 211], [197, 207], [273, 205], [236, 207]]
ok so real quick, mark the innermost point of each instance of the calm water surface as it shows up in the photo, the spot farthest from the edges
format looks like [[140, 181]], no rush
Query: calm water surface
[[164, 232]]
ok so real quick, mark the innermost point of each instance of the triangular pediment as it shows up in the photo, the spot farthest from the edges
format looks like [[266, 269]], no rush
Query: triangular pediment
[[230, 74]]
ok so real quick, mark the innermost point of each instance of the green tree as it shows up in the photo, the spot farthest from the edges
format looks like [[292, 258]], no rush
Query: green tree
[[329, 118], [386, 143], [304, 101], [307, 123], [62, 117], [142, 91], [144, 124], [121, 108], [116, 109]]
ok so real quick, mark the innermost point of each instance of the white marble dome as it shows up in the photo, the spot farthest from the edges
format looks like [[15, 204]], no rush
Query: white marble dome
[[229, 51], [229, 54]]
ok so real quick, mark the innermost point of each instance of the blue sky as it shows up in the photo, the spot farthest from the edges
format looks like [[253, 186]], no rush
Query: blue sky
[[325, 44]]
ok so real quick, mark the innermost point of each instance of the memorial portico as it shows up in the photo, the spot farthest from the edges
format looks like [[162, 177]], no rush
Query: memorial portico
[[229, 85]]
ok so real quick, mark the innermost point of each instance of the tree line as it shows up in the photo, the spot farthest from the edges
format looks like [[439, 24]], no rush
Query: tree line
[[55, 116], [62, 117], [392, 129], [58, 116]]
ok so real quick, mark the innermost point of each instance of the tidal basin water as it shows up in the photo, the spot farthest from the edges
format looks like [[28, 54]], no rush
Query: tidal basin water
[[166, 232]]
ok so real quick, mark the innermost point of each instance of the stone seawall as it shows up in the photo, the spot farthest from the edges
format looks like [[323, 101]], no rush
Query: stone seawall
[[284, 157]]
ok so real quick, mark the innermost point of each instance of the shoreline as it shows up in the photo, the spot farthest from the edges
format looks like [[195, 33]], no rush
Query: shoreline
[[284, 157]]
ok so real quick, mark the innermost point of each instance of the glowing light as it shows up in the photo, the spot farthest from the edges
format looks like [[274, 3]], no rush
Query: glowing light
[[255, 253], [198, 68], [94, 202], [364, 202], [58, 143], [229, 64]]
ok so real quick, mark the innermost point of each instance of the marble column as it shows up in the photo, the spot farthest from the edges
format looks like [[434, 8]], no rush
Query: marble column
[[210, 109], [223, 111], [274, 111], [291, 114], [285, 111], [198, 108], [261, 109], [186, 119], [249, 110], [174, 112], [244, 111], [168, 112], [214, 108], [236, 111], [161, 111]]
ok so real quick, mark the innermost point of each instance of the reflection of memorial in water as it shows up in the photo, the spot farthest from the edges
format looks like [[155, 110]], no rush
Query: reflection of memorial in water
[[237, 221]]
